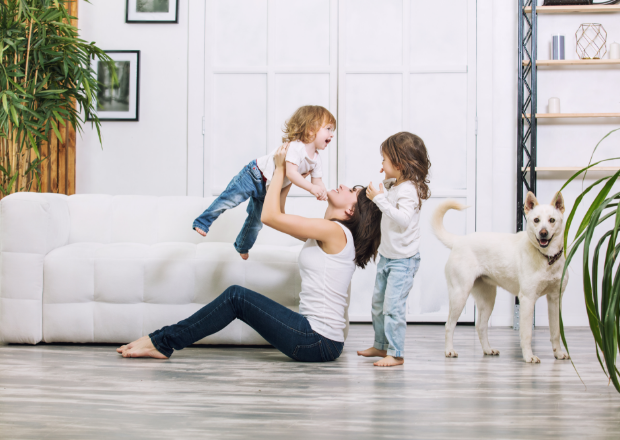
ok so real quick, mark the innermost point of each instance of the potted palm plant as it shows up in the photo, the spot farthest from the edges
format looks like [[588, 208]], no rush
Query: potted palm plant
[[601, 272], [46, 82]]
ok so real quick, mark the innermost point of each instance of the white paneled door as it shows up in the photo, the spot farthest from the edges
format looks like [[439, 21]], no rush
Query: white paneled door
[[380, 66]]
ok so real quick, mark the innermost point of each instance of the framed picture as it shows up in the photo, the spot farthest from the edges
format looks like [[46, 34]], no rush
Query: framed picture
[[152, 11], [120, 101]]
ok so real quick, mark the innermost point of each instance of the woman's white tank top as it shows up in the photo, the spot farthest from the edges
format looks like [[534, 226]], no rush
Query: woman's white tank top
[[325, 281]]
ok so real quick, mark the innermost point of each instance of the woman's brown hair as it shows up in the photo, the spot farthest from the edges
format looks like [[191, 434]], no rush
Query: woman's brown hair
[[408, 154], [306, 122], [365, 226]]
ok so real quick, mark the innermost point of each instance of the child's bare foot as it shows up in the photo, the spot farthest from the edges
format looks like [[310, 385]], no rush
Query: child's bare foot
[[142, 347], [389, 361], [372, 352], [201, 232], [245, 256]]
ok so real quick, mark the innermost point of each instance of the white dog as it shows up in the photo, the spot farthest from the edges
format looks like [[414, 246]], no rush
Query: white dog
[[528, 264]]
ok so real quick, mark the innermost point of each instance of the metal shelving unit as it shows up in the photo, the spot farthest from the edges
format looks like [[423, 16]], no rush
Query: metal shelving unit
[[527, 102]]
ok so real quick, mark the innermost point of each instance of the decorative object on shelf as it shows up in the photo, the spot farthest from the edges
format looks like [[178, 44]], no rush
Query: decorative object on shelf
[[554, 105], [118, 100], [152, 11], [558, 47], [47, 85], [591, 39], [614, 51], [601, 274]]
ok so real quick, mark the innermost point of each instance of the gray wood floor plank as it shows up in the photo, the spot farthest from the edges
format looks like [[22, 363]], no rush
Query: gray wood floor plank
[[82, 391]]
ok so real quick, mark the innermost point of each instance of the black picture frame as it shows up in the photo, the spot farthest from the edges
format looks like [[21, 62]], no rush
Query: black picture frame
[[175, 3], [133, 112]]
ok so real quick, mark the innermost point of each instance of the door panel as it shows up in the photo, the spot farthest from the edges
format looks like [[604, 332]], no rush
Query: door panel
[[439, 116], [239, 32], [301, 35], [373, 32], [238, 125], [374, 103], [439, 33]]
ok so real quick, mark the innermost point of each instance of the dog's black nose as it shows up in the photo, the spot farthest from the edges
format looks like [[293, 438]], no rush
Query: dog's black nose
[[543, 233]]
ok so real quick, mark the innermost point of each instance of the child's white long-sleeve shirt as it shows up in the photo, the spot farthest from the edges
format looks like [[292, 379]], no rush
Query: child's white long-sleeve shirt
[[400, 223]]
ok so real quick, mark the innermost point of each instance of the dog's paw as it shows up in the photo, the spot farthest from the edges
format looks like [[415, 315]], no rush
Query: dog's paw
[[560, 355], [451, 354], [492, 352], [532, 359]]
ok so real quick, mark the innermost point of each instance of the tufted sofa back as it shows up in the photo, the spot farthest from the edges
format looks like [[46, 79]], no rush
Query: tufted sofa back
[[149, 220]]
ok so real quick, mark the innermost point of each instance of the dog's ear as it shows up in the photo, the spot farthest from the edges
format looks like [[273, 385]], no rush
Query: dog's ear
[[530, 202], [558, 202]]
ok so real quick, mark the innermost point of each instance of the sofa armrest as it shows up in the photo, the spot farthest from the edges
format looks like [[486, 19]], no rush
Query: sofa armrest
[[31, 225]]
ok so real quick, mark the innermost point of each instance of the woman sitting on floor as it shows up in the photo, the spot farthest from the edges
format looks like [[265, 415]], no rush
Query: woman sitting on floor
[[348, 236]]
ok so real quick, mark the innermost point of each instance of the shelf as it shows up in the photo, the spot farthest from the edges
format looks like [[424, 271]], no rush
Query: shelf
[[592, 9], [572, 169], [573, 62], [573, 115]]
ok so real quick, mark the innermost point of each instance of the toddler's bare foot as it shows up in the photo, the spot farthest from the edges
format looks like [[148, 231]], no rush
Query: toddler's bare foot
[[372, 352], [389, 361], [201, 232], [245, 256], [142, 347]]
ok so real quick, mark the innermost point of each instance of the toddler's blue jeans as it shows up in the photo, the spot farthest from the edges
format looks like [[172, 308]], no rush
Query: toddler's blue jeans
[[286, 330], [248, 184], [389, 302]]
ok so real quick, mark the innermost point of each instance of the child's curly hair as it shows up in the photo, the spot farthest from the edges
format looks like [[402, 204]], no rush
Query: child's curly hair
[[306, 122], [408, 154]]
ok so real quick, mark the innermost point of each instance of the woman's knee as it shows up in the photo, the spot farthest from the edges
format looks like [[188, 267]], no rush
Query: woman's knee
[[233, 291]]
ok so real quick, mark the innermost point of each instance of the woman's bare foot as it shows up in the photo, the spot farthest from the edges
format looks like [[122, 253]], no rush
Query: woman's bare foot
[[372, 352], [245, 256], [142, 347], [201, 232], [389, 361]]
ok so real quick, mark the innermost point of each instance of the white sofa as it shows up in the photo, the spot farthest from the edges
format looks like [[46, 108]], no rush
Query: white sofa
[[99, 268]]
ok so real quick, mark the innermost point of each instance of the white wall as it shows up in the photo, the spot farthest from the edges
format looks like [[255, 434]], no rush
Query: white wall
[[150, 156]]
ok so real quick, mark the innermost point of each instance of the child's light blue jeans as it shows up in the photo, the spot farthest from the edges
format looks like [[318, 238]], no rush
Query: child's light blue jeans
[[389, 302], [248, 184]]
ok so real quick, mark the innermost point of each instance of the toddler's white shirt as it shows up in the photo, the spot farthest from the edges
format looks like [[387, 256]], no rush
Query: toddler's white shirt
[[400, 223], [296, 154]]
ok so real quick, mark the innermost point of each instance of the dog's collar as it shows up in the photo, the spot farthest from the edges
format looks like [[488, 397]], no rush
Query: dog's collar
[[553, 258]]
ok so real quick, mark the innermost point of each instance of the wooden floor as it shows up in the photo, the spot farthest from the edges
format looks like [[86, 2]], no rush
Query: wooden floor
[[82, 391]]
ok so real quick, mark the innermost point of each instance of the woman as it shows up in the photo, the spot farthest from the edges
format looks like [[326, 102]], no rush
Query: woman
[[348, 236]]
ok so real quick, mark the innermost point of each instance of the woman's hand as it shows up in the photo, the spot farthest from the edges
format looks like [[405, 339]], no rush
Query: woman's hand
[[280, 156]]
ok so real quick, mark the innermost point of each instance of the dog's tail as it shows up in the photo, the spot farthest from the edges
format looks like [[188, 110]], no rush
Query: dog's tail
[[442, 234]]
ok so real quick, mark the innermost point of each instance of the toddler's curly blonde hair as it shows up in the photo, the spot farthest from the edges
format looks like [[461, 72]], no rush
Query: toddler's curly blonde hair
[[306, 122]]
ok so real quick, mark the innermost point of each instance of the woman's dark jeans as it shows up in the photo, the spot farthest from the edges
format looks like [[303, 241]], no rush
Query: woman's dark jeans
[[283, 328]]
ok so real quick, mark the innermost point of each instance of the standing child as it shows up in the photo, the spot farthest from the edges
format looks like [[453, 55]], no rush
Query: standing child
[[405, 164], [308, 131]]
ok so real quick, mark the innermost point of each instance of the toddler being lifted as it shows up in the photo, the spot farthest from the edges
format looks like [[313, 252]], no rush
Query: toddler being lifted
[[308, 131]]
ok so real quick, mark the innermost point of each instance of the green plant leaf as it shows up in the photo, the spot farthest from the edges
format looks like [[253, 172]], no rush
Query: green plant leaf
[[55, 127], [15, 117], [51, 91], [4, 103]]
